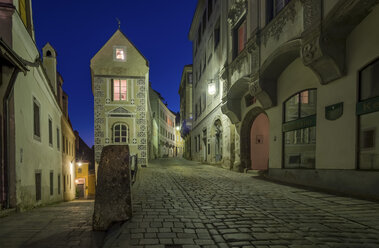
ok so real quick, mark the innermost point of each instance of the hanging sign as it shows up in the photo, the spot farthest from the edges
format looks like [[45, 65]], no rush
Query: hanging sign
[[334, 112], [368, 106]]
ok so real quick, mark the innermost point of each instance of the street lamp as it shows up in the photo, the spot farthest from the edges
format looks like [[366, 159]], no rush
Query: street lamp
[[211, 87]]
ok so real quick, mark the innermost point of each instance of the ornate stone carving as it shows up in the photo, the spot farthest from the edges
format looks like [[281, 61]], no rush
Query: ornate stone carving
[[141, 82], [236, 11], [311, 13], [119, 110], [275, 27], [141, 134], [142, 147], [324, 55], [141, 95], [134, 141]]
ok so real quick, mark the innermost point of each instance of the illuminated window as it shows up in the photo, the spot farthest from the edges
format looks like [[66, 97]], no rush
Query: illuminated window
[[239, 37], [120, 133], [119, 54], [119, 90]]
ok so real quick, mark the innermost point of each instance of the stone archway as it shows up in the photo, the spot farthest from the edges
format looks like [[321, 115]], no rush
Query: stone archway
[[218, 140], [245, 141], [259, 142]]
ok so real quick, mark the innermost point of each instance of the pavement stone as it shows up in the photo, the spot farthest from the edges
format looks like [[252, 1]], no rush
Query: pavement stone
[[66, 224], [191, 205]]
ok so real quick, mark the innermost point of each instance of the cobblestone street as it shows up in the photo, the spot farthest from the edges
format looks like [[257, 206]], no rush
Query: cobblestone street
[[67, 224], [183, 204]]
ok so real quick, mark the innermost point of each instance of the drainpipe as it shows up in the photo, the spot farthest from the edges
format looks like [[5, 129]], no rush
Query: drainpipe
[[6, 134]]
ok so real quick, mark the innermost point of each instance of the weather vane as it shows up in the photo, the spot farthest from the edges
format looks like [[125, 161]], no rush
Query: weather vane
[[119, 23]]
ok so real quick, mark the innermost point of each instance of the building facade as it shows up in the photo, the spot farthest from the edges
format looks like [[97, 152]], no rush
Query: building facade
[[212, 135], [186, 113], [179, 141], [163, 124], [31, 171], [120, 76], [85, 169], [300, 86]]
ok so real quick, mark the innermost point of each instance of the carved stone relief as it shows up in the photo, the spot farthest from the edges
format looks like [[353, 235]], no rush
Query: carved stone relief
[[275, 27]]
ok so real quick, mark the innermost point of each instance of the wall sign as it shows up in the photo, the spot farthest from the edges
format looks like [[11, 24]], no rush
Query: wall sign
[[368, 106], [309, 121], [334, 112]]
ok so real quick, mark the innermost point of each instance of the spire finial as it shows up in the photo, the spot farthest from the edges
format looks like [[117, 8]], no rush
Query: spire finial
[[119, 23]]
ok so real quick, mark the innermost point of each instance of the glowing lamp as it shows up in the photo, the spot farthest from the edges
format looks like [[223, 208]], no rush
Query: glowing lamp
[[211, 88]]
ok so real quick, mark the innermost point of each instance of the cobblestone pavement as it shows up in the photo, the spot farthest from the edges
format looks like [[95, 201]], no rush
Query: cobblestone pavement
[[67, 224], [181, 204]]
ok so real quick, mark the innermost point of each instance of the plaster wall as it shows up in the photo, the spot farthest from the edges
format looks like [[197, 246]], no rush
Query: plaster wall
[[68, 162], [32, 155]]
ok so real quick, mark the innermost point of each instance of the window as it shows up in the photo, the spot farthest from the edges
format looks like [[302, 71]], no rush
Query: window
[[199, 35], [120, 133], [38, 186], [368, 112], [299, 130], [50, 132], [210, 8], [51, 183], [79, 170], [210, 48], [217, 34], [273, 7], [119, 90], [64, 183], [190, 78], [119, 54], [36, 119], [59, 184], [204, 21], [58, 141], [239, 37]]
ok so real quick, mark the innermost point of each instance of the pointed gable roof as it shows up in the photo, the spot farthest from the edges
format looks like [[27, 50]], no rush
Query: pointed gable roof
[[115, 35]]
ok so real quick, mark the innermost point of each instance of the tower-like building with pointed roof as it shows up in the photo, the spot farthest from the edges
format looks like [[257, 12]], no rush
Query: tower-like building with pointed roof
[[120, 76]]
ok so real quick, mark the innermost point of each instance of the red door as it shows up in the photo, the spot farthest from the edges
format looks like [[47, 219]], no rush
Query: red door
[[259, 143]]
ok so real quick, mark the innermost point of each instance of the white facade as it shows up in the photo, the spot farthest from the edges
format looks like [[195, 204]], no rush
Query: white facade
[[31, 157]]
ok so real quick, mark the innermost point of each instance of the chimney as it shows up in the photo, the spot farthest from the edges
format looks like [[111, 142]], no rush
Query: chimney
[[50, 65]]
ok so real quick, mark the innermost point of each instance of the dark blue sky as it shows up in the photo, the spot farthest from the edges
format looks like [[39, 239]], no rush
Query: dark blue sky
[[78, 29]]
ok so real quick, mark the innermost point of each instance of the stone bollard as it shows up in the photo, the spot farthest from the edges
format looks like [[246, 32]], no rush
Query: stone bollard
[[113, 190]]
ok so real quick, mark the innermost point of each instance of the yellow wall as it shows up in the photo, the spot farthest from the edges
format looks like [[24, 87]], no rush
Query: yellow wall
[[82, 174]]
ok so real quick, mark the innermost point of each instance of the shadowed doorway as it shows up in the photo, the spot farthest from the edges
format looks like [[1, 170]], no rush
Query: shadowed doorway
[[259, 140]]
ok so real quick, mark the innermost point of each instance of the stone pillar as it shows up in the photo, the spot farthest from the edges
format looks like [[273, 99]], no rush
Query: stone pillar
[[113, 201]]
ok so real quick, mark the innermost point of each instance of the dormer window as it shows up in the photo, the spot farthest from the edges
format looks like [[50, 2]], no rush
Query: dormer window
[[119, 54]]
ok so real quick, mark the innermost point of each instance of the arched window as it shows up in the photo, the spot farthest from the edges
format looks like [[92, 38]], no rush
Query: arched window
[[120, 133], [299, 130], [368, 111]]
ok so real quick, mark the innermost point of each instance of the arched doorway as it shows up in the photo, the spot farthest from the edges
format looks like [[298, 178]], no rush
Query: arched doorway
[[259, 143], [218, 140]]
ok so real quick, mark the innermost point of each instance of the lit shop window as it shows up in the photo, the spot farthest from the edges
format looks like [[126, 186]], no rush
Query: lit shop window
[[119, 90], [299, 130]]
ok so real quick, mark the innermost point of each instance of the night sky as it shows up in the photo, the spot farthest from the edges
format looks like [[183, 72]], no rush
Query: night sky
[[78, 29]]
